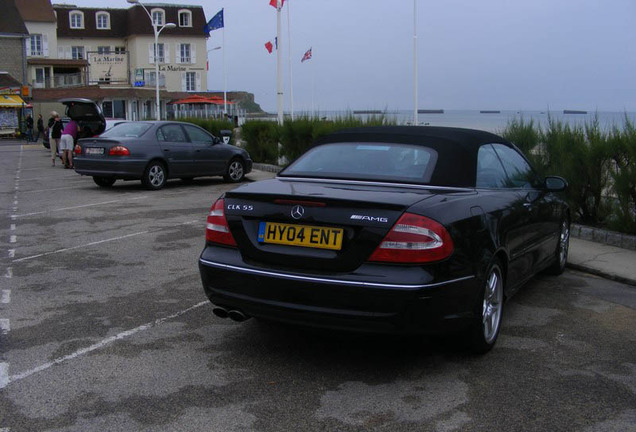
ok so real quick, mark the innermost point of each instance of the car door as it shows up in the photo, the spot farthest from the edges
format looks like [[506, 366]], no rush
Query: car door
[[176, 149], [504, 204], [540, 224], [210, 157]]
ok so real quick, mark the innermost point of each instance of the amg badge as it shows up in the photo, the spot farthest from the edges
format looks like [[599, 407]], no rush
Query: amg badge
[[369, 218]]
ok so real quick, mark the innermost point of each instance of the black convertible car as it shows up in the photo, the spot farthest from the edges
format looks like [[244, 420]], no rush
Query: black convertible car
[[388, 229]]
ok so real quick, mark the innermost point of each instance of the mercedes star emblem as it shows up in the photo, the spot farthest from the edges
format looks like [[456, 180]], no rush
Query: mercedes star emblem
[[297, 212]]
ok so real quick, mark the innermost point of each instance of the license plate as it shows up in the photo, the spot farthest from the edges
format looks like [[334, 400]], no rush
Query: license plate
[[300, 235], [94, 150]]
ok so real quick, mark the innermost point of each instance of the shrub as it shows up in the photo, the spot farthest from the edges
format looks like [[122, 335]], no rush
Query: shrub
[[261, 140], [622, 147], [213, 126]]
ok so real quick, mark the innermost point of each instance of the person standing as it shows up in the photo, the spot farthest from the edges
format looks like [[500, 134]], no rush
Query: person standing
[[67, 142], [39, 128], [55, 133], [29, 127]]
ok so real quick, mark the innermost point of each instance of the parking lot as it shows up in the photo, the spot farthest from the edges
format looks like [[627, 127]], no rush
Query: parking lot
[[105, 327]]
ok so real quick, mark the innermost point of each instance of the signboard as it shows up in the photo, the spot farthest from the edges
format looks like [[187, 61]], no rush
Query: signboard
[[106, 68]]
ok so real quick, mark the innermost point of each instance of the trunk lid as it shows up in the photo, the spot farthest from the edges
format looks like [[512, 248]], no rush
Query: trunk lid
[[87, 114], [360, 215]]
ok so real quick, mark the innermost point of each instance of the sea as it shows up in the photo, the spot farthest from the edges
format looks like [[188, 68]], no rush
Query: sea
[[493, 120]]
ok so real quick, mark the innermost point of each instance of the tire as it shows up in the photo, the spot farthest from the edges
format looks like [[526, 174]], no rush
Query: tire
[[104, 181], [155, 176], [483, 333], [235, 171], [561, 253]]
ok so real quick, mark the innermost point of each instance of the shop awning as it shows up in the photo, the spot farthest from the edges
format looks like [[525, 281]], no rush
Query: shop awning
[[11, 101]]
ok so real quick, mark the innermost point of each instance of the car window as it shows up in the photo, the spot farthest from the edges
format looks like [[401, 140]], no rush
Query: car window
[[367, 161], [490, 171], [131, 129], [171, 133], [518, 170], [198, 135]]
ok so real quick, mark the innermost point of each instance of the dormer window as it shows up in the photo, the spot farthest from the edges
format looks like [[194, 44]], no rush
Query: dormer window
[[103, 20], [185, 18], [76, 19], [158, 17]]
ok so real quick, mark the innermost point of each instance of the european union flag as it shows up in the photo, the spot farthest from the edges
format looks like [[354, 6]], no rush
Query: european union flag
[[215, 23]]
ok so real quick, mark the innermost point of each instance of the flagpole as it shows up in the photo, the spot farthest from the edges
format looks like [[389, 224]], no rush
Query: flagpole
[[289, 48], [415, 119], [313, 84], [279, 69], [224, 78]]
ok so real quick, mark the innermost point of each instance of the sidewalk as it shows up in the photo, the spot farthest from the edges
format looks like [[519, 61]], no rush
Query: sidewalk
[[610, 262]]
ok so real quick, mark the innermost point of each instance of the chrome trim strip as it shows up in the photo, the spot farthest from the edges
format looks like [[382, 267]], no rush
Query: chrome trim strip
[[372, 183], [326, 280]]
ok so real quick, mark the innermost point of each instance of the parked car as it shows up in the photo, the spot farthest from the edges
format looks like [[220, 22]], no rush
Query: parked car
[[86, 113], [388, 229], [154, 151]]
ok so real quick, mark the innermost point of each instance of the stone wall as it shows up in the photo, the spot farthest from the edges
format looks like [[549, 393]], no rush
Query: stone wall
[[12, 57]]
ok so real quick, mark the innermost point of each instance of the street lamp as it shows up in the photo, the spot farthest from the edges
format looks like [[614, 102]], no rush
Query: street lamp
[[157, 30]]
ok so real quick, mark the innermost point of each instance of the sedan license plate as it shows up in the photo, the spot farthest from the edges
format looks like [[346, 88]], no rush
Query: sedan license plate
[[94, 150], [300, 235]]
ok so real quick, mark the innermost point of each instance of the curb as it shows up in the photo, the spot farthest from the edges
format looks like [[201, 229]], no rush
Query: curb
[[607, 237], [601, 273]]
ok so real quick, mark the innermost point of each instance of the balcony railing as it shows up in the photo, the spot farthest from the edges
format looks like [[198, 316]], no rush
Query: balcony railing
[[59, 81]]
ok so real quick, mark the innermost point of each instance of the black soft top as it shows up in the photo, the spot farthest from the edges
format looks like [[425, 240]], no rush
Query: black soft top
[[456, 147]]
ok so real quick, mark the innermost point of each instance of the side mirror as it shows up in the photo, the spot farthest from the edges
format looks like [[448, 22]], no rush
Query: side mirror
[[216, 140], [555, 183]]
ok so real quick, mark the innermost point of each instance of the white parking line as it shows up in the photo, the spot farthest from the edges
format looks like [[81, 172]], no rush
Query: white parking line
[[80, 246], [53, 189], [13, 239], [9, 273], [11, 253], [80, 206], [4, 326], [6, 297], [98, 345], [4, 375]]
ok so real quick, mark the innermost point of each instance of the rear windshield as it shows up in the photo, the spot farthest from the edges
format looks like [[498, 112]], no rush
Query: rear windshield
[[392, 162], [129, 130]]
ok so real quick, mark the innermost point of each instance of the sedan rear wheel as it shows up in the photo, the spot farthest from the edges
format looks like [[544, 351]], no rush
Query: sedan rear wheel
[[155, 176], [104, 181], [235, 171], [483, 334]]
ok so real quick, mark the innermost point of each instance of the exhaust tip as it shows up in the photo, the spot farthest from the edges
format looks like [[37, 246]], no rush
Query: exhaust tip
[[237, 315], [221, 312]]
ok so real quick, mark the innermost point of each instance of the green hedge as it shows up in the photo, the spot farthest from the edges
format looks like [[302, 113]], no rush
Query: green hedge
[[599, 165], [212, 125]]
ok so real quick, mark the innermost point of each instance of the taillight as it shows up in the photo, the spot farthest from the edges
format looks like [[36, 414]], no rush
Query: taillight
[[414, 239], [119, 150], [217, 229], [77, 150]]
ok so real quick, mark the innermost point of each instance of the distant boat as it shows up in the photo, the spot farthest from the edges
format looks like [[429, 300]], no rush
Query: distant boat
[[574, 112], [430, 111], [490, 112], [368, 112]]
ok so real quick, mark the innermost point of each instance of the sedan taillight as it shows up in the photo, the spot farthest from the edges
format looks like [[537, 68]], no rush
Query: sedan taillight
[[77, 150], [119, 150], [217, 229], [414, 239]]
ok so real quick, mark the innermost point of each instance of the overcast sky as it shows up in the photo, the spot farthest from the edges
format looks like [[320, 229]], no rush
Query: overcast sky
[[471, 54]]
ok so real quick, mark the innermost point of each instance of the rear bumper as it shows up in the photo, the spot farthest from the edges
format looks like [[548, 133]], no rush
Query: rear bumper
[[121, 169], [366, 300]]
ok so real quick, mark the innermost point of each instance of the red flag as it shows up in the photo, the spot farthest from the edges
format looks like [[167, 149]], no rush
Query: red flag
[[307, 55], [273, 3], [269, 46]]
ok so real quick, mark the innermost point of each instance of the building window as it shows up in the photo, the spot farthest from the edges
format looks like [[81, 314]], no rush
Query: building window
[[77, 19], [152, 81], [103, 50], [103, 20], [185, 18], [36, 45], [120, 50], [158, 17], [161, 57], [77, 53], [190, 81], [184, 54]]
